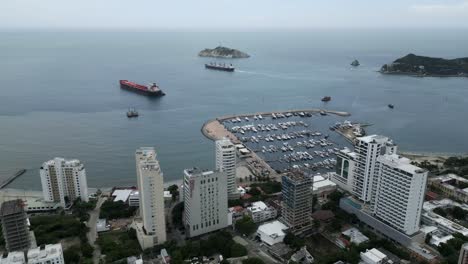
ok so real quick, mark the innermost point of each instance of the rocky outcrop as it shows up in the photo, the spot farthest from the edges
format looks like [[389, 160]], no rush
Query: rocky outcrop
[[427, 66], [223, 52]]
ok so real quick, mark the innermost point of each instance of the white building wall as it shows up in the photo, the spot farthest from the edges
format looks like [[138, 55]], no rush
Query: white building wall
[[226, 161], [47, 255], [205, 201], [151, 189], [78, 178]]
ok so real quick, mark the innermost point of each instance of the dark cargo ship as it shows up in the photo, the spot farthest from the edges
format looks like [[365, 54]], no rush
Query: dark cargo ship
[[219, 67], [150, 90]]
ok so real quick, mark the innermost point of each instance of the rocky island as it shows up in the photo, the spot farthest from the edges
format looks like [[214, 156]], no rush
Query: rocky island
[[427, 66], [223, 52]]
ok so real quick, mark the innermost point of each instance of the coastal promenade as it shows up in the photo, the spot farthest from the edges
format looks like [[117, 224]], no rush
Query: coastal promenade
[[215, 130]]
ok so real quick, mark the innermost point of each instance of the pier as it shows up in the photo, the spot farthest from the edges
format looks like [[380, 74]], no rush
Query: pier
[[12, 178]]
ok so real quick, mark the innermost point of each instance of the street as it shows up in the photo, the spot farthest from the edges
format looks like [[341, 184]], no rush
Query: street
[[92, 233]]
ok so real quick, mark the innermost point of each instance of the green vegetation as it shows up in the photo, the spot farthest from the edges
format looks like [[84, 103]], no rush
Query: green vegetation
[[451, 249], [80, 209], [174, 190], [253, 261], [49, 229], [333, 201], [72, 254], [268, 187], [294, 242], [118, 245], [455, 212], [245, 226], [457, 165], [220, 242], [114, 210], [177, 215], [413, 64]]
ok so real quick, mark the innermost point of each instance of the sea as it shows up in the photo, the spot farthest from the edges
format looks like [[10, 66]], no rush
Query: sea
[[59, 93]]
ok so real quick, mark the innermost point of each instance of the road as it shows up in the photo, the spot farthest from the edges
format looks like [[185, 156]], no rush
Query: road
[[255, 250], [92, 234]]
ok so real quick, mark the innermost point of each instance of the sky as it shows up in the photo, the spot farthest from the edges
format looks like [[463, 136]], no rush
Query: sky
[[233, 14]]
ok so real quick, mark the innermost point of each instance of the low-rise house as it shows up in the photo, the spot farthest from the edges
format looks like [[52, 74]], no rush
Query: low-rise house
[[260, 212], [302, 256], [272, 233]]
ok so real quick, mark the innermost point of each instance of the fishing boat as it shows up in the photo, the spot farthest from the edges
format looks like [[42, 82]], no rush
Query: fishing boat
[[391, 106], [132, 112]]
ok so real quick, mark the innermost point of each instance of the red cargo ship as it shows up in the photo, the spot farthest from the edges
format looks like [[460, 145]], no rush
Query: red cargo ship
[[151, 89]]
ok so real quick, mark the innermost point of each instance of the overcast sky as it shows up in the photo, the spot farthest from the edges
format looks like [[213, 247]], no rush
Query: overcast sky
[[235, 14]]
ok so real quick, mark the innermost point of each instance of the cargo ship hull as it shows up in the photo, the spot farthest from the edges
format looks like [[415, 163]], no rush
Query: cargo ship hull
[[139, 89], [219, 68]]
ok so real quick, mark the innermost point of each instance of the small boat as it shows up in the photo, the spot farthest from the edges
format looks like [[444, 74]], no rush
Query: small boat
[[355, 63], [391, 106], [132, 113], [323, 113], [326, 99]]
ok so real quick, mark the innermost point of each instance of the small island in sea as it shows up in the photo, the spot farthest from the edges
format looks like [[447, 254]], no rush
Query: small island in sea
[[427, 66], [223, 52]]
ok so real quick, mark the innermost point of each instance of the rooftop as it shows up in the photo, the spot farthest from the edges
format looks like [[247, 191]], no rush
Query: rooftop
[[11, 207], [374, 139], [196, 172], [355, 235], [258, 206], [374, 254], [400, 163], [275, 228], [49, 251], [122, 195]]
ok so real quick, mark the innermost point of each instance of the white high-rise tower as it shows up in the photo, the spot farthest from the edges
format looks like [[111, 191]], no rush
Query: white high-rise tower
[[226, 162], [63, 181], [150, 185]]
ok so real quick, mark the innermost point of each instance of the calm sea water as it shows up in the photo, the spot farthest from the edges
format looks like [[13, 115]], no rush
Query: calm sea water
[[59, 93]]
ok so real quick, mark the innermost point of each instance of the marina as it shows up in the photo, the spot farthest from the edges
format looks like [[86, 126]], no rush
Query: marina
[[281, 141]]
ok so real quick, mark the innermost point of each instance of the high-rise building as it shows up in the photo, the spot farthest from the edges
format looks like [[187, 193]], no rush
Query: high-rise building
[[463, 258], [367, 149], [399, 193], [297, 199], [151, 189], [226, 162], [391, 189], [15, 225], [205, 201], [63, 181], [46, 254]]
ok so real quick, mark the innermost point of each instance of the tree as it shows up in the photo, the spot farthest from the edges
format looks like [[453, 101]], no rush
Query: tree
[[87, 250], [174, 190], [246, 225], [71, 255], [458, 213], [253, 261], [238, 250]]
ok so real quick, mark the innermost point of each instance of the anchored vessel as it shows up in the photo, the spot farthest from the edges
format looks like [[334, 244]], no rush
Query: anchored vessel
[[151, 90], [355, 63], [391, 106], [326, 99], [132, 112], [219, 67]]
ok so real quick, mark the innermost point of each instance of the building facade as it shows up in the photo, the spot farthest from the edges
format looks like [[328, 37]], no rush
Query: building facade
[[260, 212], [15, 225], [151, 191], [399, 193], [226, 162], [297, 199], [463, 258], [63, 181], [47, 254], [344, 170], [205, 201]]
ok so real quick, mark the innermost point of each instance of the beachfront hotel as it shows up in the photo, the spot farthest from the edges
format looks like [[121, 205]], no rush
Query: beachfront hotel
[[205, 201], [63, 181], [388, 191], [226, 162], [151, 224]]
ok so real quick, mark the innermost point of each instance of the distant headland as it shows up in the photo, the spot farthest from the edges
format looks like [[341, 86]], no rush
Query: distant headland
[[223, 52], [427, 66]]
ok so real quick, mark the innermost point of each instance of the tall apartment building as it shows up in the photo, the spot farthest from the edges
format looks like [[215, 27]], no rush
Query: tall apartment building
[[205, 201], [297, 199], [226, 162], [463, 258], [150, 185], [15, 225], [391, 189], [399, 193], [367, 150], [46, 254], [63, 181]]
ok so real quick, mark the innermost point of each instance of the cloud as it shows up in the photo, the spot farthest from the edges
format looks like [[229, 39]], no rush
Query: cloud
[[442, 9]]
